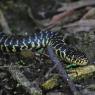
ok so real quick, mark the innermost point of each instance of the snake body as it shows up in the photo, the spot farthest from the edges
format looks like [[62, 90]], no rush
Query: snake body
[[14, 44]]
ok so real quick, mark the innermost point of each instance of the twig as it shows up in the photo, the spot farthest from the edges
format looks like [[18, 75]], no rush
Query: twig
[[15, 66], [76, 5], [68, 9], [77, 29], [50, 70], [62, 71], [37, 22], [84, 23], [17, 75], [90, 14], [58, 18], [4, 23]]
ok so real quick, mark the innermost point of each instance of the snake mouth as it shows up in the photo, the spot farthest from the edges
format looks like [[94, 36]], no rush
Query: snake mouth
[[80, 61], [76, 57], [71, 55]]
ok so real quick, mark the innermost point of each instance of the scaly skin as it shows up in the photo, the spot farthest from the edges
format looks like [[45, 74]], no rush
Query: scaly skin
[[42, 39], [16, 44]]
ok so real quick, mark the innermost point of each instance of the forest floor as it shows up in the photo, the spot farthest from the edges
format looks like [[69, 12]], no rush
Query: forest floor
[[74, 19]]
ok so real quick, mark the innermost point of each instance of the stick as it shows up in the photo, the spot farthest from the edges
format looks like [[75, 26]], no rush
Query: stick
[[20, 78], [4, 23], [76, 5], [62, 71], [82, 23]]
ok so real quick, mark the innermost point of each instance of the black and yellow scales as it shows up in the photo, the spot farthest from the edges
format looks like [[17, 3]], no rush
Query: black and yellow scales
[[14, 44]]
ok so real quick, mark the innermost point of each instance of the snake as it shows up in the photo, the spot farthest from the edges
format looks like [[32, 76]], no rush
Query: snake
[[42, 39]]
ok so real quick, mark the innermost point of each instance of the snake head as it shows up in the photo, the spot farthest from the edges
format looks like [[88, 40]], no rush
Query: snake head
[[74, 56]]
